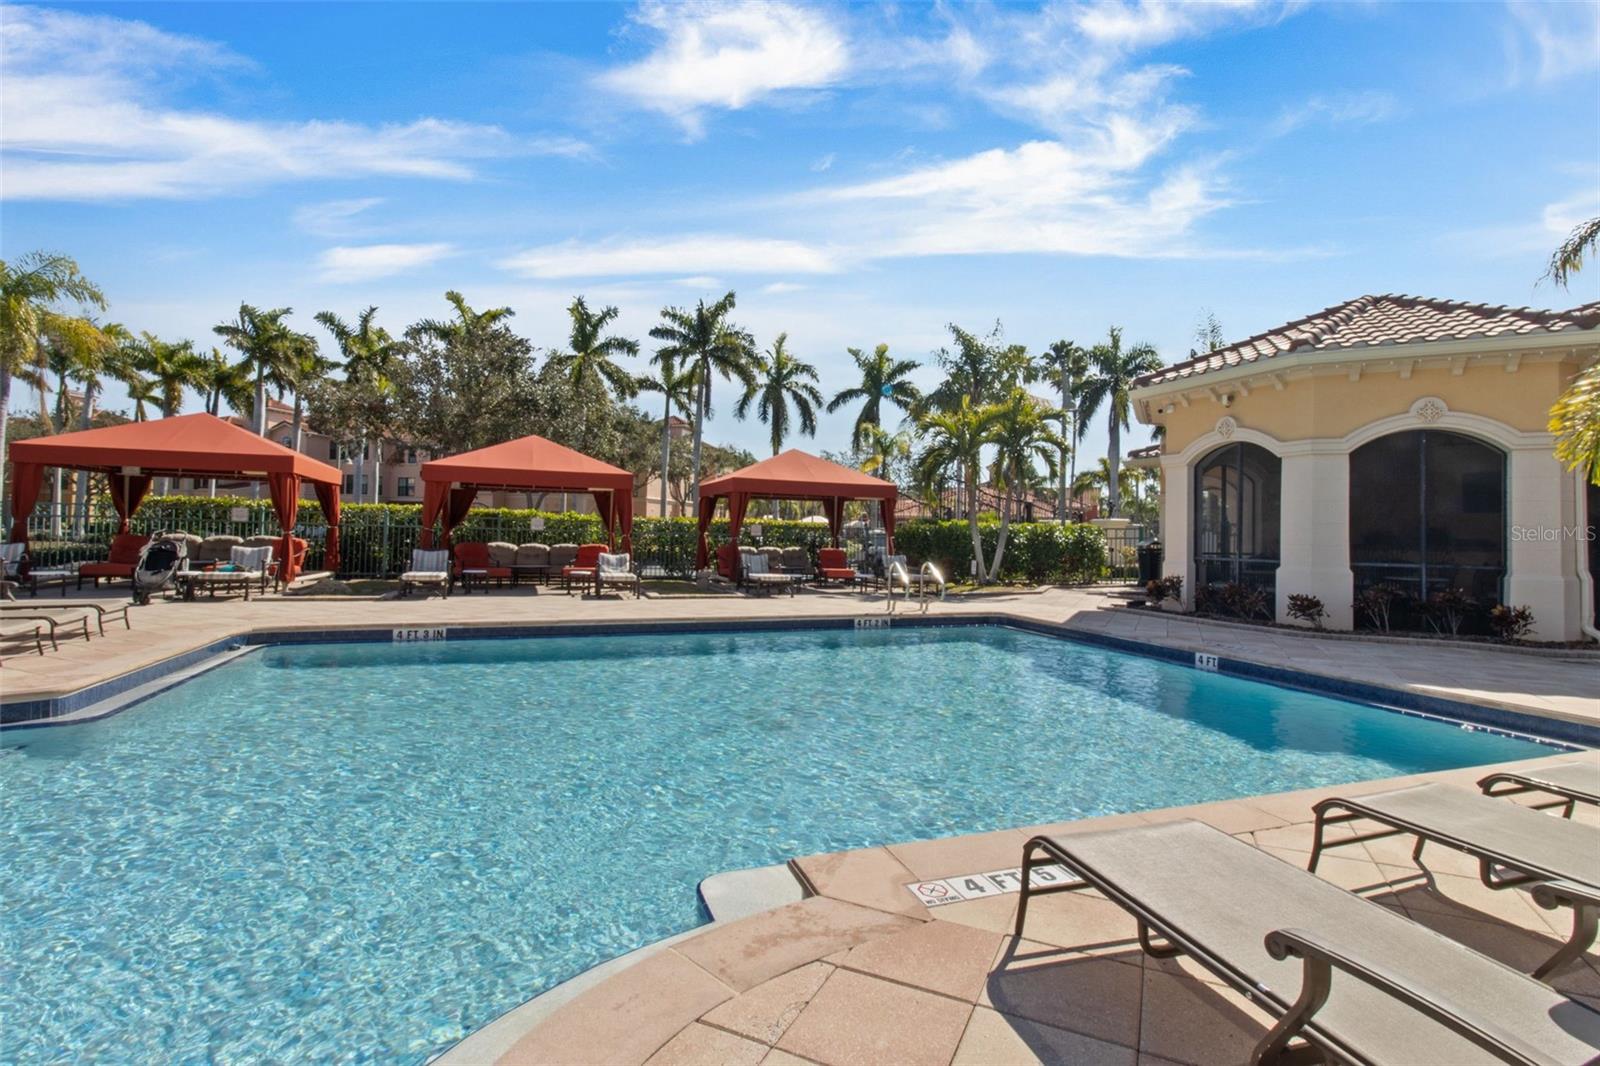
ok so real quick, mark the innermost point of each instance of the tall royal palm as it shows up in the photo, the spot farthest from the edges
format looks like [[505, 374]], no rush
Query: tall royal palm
[[262, 338], [172, 366], [677, 389], [706, 343], [782, 379], [1064, 365], [30, 288], [367, 349], [223, 381], [468, 323], [589, 363], [1111, 371], [882, 379]]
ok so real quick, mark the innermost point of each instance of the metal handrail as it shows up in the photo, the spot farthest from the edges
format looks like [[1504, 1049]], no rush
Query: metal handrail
[[896, 567]]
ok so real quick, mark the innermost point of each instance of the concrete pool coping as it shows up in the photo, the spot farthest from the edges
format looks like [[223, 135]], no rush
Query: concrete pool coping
[[742, 990]]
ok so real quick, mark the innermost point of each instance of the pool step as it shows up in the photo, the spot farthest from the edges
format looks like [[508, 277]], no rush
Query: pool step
[[740, 893]]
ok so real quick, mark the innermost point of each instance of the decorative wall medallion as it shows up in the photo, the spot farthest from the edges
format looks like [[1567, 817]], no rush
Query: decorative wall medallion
[[1429, 409], [1225, 426]]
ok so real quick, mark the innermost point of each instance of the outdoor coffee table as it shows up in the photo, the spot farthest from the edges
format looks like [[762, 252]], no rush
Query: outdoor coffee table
[[214, 581], [479, 575], [36, 578]]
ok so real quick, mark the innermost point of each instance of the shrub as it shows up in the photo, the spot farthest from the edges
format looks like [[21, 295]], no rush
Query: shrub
[[1375, 604], [1159, 589], [1035, 551], [1246, 601], [1447, 608], [1308, 609], [1154, 590], [1510, 623]]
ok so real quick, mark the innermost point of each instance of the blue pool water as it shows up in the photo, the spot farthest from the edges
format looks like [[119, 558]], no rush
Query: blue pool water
[[362, 852]]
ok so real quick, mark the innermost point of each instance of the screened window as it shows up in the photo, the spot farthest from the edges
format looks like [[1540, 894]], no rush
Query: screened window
[[1428, 513], [1237, 489]]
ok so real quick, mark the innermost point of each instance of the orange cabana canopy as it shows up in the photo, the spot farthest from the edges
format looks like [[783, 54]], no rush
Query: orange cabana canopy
[[527, 464], [133, 454], [794, 475]]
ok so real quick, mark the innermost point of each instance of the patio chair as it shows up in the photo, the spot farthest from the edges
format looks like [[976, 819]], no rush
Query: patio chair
[[582, 567], [472, 562], [1570, 782], [616, 571], [561, 557], [429, 569], [533, 560], [758, 576], [1514, 846], [1402, 993], [729, 565], [296, 544], [797, 561], [119, 561], [11, 559], [832, 565]]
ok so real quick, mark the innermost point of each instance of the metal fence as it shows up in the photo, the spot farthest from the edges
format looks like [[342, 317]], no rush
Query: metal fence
[[1122, 553]]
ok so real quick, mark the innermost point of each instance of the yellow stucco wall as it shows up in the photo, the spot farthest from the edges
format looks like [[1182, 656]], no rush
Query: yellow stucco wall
[[1333, 405]]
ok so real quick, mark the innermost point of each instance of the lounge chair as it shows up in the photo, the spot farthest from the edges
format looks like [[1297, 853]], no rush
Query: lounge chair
[[54, 622], [99, 613], [561, 557], [16, 631], [429, 569], [11, 559], [246, 569], [119, 561], [758, 576], [617, 571], [1403, 993], [1514, 847], [832, 566], [1570, 782]]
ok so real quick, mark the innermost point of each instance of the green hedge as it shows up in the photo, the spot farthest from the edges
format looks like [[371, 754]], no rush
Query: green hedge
[[1039, 552]]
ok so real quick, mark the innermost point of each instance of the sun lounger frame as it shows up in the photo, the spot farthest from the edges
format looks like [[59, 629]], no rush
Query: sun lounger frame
[[1296, 1020], [1516, 783], [1496, 869]]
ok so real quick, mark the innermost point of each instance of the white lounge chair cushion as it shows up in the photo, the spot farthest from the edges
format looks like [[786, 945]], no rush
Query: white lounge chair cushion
[[11, 556], [425, 577], [254, 560], [620, 563]]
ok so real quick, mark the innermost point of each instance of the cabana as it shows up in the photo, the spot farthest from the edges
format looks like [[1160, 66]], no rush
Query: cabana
[[133, 454], [794, 475], [528, 464]]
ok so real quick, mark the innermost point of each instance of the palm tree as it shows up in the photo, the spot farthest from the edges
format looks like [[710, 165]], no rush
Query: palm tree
[[1112, 371], [677, 389], [881, 451], [366, 348], [782, 379], [1065, 365], [173, 366], [142, 392], [882, 379], [111, 354], [706, 343], [468, 323], [264, 341], [589, 361], [1019, 430], [29, 289], [304, 366], [223, 382], [1575, 420], [1568, 259], [956, 438]]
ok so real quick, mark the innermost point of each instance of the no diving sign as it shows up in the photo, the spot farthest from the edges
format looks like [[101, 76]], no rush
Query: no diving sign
[[976, 886]]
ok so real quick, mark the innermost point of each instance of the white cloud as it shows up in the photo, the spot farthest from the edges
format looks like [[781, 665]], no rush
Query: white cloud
[[779, 288], [1550, 41], [86, 118], [1151, 22], [1340, 109], [333, 218], [708, 254], [727, 55], [824, 163], [365, 262]]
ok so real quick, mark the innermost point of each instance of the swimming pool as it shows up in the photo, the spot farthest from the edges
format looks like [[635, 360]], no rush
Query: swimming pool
[[362, 851]]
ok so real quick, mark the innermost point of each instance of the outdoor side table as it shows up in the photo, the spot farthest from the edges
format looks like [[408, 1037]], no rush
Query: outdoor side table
[[479, 575], [36, 578]]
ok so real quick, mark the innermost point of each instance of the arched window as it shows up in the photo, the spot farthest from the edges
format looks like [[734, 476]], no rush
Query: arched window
[[1428, 513], [1236, 493]]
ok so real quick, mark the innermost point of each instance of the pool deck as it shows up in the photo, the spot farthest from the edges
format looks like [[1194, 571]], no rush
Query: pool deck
[[860, 971]]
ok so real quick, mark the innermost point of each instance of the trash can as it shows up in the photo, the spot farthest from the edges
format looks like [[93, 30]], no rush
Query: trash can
[[1149, 562]]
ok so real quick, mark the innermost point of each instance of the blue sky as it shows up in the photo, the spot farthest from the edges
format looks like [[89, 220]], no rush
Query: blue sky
[[859, 174]]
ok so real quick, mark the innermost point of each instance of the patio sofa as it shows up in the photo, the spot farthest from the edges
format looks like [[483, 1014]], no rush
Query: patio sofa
[[247, 568], [1353, 980], [758, 575], [119, 561], [532, 561]]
